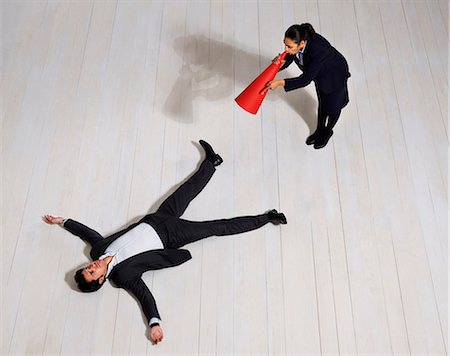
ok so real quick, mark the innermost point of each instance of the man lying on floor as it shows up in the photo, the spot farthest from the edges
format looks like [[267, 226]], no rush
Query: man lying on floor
[[154, 242]]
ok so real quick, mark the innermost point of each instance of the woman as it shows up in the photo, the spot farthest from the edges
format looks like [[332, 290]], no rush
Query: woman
[[326, 67]]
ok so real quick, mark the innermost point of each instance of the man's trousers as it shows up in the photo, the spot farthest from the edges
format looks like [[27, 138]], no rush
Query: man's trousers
[[175, 232]]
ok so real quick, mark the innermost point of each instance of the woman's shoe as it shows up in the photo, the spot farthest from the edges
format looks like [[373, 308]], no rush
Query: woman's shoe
[[323, 139], [313, 137]]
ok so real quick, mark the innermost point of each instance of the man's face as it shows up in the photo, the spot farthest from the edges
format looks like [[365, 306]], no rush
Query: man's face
[[95, 271]]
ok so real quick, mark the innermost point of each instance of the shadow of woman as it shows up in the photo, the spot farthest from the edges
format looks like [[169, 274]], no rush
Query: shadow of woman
[[212, 68]]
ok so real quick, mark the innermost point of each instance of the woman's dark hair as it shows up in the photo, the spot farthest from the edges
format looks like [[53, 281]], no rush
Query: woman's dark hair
[[298, 33], [84, 286]]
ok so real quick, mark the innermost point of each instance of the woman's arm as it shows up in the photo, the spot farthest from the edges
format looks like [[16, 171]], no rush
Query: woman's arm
[[319, 55], [287, 61]]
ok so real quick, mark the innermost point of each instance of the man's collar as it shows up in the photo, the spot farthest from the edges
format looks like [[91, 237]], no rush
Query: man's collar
[[111, 264]]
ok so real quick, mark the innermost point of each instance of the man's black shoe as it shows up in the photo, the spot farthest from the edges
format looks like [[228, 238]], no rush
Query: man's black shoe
[[323, 139], [211, 156], [276, 218]]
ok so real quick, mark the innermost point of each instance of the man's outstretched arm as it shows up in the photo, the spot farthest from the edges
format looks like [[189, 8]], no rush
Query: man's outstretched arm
[[140, 290], [76, 228]]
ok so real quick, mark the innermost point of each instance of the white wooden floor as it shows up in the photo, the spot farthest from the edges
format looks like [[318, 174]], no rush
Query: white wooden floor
[[103, 102]]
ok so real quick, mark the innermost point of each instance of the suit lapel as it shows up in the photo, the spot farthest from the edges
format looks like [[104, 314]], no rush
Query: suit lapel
[[150, 260]]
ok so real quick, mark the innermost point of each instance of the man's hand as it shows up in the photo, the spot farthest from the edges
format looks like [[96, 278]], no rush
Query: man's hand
[[52, 220], [156, 334], [272, 85]]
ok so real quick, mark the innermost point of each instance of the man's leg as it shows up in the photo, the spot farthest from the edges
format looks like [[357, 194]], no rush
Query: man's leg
[[177, 202], [182, 232]]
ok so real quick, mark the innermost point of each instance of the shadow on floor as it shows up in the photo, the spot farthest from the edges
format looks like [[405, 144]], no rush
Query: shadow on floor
[[211, 69]]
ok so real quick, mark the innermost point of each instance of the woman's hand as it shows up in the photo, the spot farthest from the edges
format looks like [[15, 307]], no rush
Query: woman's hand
[[276, 60], [272, 85]]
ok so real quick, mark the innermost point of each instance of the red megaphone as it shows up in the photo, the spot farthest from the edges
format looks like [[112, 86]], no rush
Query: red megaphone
[[251, 98]]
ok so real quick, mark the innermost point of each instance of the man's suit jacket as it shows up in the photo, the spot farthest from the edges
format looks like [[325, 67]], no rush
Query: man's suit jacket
[[322, 63], [127, 274]]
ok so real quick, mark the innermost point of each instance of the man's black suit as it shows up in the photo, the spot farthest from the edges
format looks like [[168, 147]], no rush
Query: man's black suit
[[324, 65], [174, 233]]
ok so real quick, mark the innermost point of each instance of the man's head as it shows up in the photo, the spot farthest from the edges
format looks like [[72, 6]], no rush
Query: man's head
[[91, 278]]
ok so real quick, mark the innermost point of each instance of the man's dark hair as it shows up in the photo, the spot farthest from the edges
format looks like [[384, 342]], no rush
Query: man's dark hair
[[84, 286], [298, 33]]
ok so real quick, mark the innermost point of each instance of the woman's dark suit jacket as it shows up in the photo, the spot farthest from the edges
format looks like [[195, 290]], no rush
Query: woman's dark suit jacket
[[127, 274], [327, 68]]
